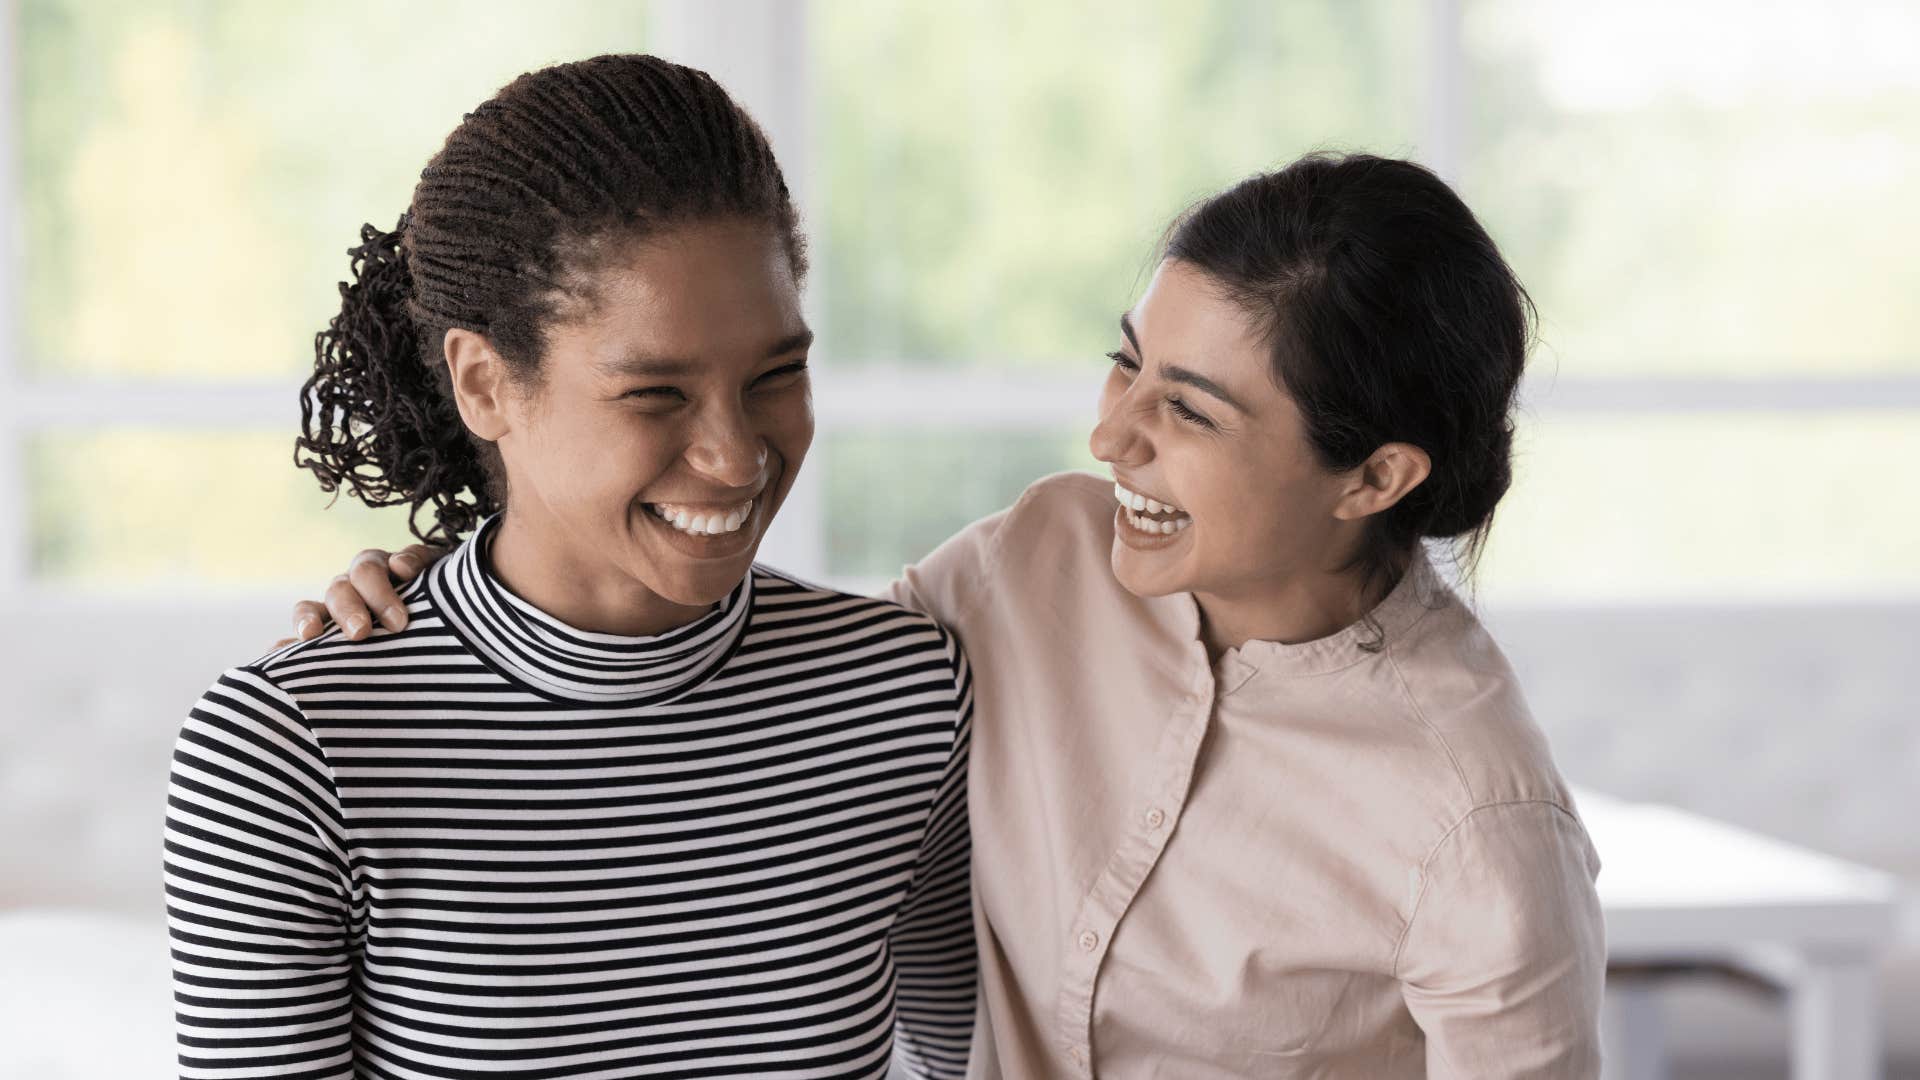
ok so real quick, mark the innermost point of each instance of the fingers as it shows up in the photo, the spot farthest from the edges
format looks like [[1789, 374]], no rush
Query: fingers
[[407, 563], [368, 574], [346, 608], [309, 620]]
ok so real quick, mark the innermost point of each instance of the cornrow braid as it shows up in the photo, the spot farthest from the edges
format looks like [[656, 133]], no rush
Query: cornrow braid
[[501, 234]]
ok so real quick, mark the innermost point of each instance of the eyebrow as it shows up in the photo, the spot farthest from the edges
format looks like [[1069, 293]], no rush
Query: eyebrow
[[640, 365], [1175, 373]]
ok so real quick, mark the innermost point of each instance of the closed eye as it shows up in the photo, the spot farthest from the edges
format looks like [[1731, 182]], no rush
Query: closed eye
[[1183, 411], [657, 393], [1122, 361], [783, 372]]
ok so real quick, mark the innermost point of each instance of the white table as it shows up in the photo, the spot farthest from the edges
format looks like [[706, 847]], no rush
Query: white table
[[1678, 888]]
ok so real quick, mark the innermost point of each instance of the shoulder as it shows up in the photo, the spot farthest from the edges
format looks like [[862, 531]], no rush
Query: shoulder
[[1058, 536], [1465, 696], [1066, 505], [877, 638], [248, 730], [792, 606], [332, 656]]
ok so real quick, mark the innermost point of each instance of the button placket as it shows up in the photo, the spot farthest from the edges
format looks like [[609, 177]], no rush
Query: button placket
[[1134, 858]]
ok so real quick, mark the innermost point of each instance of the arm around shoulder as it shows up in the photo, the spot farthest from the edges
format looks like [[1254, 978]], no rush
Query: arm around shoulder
[[932, 937]]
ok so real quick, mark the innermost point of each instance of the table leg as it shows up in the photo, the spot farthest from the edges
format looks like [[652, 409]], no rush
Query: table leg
[[1835, 1004], [1633, 1034]]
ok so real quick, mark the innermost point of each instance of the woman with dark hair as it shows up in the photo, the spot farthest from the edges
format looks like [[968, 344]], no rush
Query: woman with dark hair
[[1253, 793], [616, 802]]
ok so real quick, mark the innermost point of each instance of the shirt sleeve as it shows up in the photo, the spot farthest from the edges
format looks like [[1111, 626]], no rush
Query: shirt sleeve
[[932, 938], [259, 896], [1504, 959]]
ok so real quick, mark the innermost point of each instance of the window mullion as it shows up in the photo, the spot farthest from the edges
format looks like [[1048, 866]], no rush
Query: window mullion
[[759, 51], [1444, 119], [15, 523]]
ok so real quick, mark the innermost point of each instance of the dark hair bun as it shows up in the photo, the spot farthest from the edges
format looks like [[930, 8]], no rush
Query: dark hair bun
[[1465, 499]]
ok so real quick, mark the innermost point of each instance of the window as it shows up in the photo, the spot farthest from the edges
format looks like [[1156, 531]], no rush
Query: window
[[189, 175], [1711, 205], [1730, 356]]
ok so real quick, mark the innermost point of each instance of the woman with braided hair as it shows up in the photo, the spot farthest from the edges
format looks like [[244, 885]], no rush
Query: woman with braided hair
[[616, 802], [1253, 793]]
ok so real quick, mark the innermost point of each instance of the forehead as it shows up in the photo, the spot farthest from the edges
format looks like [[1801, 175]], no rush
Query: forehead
[[704, 291], [1186, 317]]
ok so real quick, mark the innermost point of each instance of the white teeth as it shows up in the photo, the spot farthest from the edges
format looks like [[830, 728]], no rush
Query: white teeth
[[710, 524], [1157, 527], [1137, 502]]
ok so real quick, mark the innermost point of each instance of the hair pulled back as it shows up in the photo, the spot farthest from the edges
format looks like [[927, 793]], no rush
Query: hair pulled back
[[505, 229], [1392, 318]]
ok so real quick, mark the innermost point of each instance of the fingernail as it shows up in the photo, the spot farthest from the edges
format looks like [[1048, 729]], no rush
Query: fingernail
[[305, 625], [355, 625], [395, 615], [406, 563]]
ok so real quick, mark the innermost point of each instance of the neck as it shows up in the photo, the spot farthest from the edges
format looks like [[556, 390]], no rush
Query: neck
[[1291, 610], [586, 592]]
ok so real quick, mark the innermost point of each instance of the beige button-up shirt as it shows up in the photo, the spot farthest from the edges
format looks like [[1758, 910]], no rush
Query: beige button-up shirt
[[1303, 860]]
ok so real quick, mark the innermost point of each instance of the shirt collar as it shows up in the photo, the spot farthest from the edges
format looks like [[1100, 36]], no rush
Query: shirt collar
[[1419, 590], [528, 646]]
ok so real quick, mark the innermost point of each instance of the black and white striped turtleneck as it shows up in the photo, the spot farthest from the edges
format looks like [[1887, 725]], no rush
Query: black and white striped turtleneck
[[495, 845]]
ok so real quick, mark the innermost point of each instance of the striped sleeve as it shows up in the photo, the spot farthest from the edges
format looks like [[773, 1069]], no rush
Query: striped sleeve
[[932, 939], [259, 897]]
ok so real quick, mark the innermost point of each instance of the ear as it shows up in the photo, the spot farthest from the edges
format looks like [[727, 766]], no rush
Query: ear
[[1382, 480], [481, 383]]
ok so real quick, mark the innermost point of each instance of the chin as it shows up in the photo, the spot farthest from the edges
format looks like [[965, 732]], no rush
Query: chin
[[705, 586], [1145, 582]]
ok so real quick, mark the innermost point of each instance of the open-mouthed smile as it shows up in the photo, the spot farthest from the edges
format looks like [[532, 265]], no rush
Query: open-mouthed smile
[[703, 520], [1148, 515]]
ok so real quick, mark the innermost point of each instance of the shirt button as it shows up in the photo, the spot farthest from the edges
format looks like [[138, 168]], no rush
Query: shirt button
[[1089, 940], [1155, 818]]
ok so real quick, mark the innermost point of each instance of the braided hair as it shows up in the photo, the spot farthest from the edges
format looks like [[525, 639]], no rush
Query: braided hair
[[507, 226]]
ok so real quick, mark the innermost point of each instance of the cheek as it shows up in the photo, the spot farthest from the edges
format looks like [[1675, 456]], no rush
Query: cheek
[[787, 425], [1251, 511], [611, 455], [798, 430]]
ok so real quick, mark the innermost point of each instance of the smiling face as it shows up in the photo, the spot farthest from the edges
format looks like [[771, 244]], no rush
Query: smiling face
[[1192, 418], [671, 416]]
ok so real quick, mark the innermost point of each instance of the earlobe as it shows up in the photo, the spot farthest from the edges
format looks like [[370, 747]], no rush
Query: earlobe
[[479, 378]]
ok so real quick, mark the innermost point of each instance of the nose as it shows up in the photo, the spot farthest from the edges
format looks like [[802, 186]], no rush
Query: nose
[[727, 448], [1116, 439]]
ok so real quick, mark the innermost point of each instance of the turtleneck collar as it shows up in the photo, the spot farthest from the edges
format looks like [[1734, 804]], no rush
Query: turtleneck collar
[[530, 647]]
